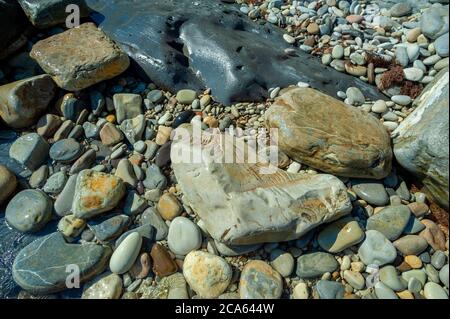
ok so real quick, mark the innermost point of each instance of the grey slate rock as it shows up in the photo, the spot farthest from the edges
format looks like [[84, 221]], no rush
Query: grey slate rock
[[330, 289], [30, 150], [152, 217], [109, 227], [315, 264], [390, 221]]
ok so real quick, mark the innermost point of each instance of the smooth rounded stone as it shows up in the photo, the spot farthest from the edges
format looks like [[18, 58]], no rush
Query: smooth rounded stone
[[282, 261], [154, 178], [84, 68], [151, 216], [443, 275], [110, 135], [384, 292], [340, 235], [418, 274], [300, 291], [431, 60], [140, 147], [434, 291], [400, 9], [438, 259], [355, 95], [85, 161], [142, 266], [389, 277], [55, 183], [169, 207], [288, 38], [260, 281], [163, 264], [401, 55], [134, 204], [90, 130], [413, 74], [108, 228], [433, 235], [41, 267], [376, 249], [8, 183], [354, 279], [30, 150], [441, 45], [39, 177], [379, 107], [186, 96], [390, 221], [134, 128], [315, 264], [337, 52], [330, 289], [403, 100], [371, 191], [70, 226], [29, 211], [184, 236], [147, 233], [63, 203], [208, 275], [414, 285], [96, 193], [355, 70], [441, 64], [414, 226], [432, 273], [434, 22], [48, 125], [125, 172], [23, 102], [413, 261], [126, 253], [184, 117], [162, 157], [342, 158], [235, 250], [106, 286], [418, 209]]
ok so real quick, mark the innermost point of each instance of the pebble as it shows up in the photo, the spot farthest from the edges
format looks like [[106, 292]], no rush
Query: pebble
[[330, 289], [282, 261], [372, 192], [30, 150], [107, 286], [110, 135], [434, 291], [126, 253], [413, 74], [413, 261], [390, 221], [141, 267], [169, 207], [29, 211], [108, 228], [379, 107], [355, 95], [315, 264], [300, 291], [63, 203], [403, 100], [418, 209], [184, 236], [70, 226], [55, 183], [208, 275], [163, 264], [127, 106], [354, 279], [8, 183], [438, 259], [340, 235], [384, 292], [186, 96], [443, 275], [433, 235], [39, 177], [260, 281], [376, 249]]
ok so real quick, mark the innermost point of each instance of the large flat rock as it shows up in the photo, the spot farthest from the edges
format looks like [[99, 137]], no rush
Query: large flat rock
[[183, 44], [325, 133], [243, 203], [421, 140]]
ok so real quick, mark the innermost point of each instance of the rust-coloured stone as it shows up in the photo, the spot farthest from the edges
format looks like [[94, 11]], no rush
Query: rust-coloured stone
[[163, 264]]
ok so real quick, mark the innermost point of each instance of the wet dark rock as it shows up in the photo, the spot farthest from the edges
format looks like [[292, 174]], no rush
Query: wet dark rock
[[195, 43], [184, 117], [162, 157], [12, 23], [109, 227]]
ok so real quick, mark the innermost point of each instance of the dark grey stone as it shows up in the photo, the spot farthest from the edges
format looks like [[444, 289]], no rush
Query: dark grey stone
[[107, 228], [330, 289], [12, 23], [152, 217], [315, 264]]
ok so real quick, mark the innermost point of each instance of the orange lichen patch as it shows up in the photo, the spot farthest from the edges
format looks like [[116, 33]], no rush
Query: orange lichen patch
[[92, 201], [102, 183]]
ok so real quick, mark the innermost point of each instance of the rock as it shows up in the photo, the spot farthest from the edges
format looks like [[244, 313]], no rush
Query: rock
[[434, 291], [384, 292], [41, 267], [127, 106], [66, 151], [438, 259], [107, 286], [162, 157], [441, 45], [282, 262], [184, 236], [29, 211], [8, 183], [163, 135], [196, 28], [83, 67], [108, 228], [163, 264], [48, 125], [401, 99], [411, 245], [141, 267], [278, 220], [400, 9], [376, 249], [443, 275], [63, 203], [96, 193], [150, 216], [70, 226], [433, 235], [147, 233], [413, 261], [315, 264], [354, 279], [232, 251], [110, 135], [134, 128], [23, 102], [30, 150], [260, 281], [55, 183], [414, 226], [371, 191], [413, 74], [330, 289], [64, 130], [418, 274], [390, 221], [313, 118], [134, 204], [184, 117], [126, 173], [169, 207], [14, 20], [418, 209], [186, 96], [425, 132], [434, 22], [340, 235], [47, 13], [154, 179], [126, 253], [208, 275], [85, 161], [389, 277]]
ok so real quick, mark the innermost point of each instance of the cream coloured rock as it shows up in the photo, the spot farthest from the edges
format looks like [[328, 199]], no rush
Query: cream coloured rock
[[325, 133], [340, 235], [104, 287], [255, 203]]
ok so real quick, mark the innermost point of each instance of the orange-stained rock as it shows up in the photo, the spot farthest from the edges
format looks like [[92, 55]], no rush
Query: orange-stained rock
[[325, 133], [80, 57], [163, 264], [433, 235], [169, 207], [95, 193]]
